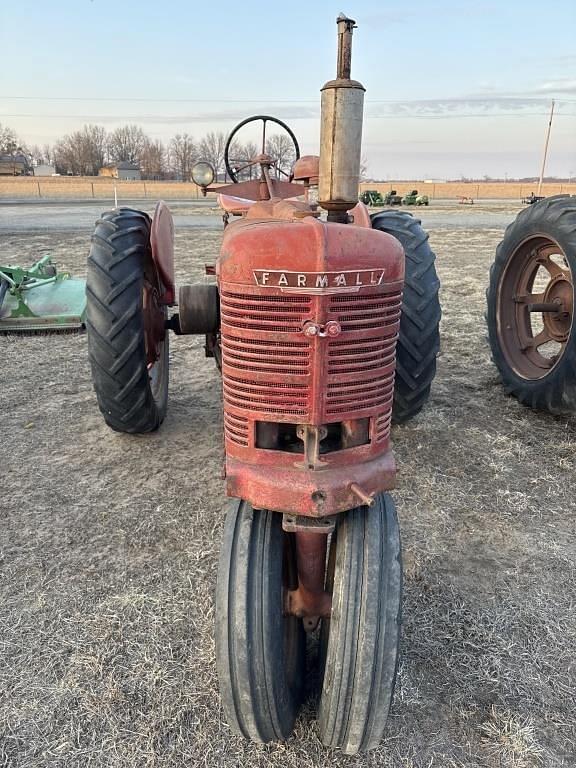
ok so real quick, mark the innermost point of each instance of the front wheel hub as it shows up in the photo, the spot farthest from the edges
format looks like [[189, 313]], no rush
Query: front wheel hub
[[558, 323], [154, 322]]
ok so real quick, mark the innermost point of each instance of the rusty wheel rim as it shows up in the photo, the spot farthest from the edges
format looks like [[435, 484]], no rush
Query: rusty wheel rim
[[535, 307], [154, 315]]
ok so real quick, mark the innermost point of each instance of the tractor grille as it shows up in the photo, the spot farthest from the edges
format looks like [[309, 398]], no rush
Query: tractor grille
[[361, 370], [270, 368], [264, 373]]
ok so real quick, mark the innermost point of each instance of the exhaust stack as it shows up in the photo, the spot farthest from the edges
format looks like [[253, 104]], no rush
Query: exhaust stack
[[341, 132]]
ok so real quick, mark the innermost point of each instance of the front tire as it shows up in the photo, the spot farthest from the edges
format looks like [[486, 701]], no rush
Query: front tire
[[535, 265], [419, 339], [260, 652], [361, 639], [127, 339]]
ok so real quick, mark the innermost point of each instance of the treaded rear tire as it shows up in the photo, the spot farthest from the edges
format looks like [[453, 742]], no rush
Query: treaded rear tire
[[361, 639], [419, 339], [131, 397], [554, 217], [260, 653]]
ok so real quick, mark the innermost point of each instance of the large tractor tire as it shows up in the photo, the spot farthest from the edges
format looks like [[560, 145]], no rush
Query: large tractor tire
[[127, 338], [360, 641], [419, 340], [260, 651], [531, 306]]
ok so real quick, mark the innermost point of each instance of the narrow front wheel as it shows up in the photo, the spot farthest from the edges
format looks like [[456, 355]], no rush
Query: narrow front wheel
[[360, 641], [260, 651]]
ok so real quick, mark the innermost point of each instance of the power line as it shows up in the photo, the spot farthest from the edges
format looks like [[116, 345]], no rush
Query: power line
[[460, 99], [175, 119]]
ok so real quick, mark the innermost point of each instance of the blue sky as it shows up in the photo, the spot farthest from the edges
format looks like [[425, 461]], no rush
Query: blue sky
[[452, 88]]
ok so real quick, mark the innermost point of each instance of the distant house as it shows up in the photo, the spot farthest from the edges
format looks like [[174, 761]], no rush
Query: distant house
[[122, 170], [44, 170], [15, 165]]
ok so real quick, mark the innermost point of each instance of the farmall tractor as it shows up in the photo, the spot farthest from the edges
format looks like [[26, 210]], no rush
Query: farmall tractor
[[308, 323]]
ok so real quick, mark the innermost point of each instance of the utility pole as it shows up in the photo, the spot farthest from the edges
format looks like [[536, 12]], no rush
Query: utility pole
[[546, 148]]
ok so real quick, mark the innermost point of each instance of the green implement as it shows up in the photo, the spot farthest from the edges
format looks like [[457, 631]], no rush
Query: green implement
[[372, 198], [413, 198], [40, 299]]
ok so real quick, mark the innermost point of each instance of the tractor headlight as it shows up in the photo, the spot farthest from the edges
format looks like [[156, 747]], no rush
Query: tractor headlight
[[202, 174]]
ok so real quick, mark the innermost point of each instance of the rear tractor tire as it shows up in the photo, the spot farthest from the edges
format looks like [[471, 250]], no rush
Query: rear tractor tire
[[127, 337], [531, 306], [419, 339]]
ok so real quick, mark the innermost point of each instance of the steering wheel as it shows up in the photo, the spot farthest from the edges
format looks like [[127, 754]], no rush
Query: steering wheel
[[265, 119]]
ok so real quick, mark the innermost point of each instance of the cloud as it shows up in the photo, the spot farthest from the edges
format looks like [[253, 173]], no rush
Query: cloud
[[485, 106], [563, 85]]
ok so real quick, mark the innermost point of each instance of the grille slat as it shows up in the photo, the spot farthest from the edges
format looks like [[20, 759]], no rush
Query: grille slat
[[252, 364], [267, 313], [236, 428], [382, 427]]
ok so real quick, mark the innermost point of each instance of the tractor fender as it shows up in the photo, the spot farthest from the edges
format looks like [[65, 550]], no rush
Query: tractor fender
[[361, 215], [162, 243]]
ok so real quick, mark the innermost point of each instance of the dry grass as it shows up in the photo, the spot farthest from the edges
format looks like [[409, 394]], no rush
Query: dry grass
[[109, 544]]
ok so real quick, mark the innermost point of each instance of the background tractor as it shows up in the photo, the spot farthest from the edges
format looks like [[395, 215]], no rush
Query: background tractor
[[413, 198], [372, 198], [324, 323], [531, 306], [392, 198]]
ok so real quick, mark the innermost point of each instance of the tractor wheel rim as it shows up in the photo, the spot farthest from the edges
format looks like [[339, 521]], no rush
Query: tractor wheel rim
[[533, 341], [154, 322]]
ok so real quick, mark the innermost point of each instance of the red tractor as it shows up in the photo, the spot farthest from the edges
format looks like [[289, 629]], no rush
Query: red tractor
[[309, 320]]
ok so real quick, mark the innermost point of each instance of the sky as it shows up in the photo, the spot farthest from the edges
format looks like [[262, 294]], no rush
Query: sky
[[453, 89]]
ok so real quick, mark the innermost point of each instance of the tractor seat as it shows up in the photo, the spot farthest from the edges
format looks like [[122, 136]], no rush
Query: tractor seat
[[238, 206], [234, 205]]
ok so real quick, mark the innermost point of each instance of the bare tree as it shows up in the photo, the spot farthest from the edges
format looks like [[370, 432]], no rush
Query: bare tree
[[212, 150], [153, 159], [36, 155], [83, 152], [241, 155], [8, 140], [126, 143], [281, 149], [251, 150], [183, 154]]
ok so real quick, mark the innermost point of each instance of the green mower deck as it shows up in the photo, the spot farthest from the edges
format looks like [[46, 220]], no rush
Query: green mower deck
[[40, 299]]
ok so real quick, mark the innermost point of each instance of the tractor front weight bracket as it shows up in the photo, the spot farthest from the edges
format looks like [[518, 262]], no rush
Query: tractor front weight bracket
[[309, 601]]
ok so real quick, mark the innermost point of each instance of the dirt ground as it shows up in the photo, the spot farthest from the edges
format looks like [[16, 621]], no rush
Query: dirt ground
[[109, 546]]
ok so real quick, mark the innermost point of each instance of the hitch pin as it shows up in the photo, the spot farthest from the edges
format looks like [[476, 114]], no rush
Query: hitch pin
[[365, 498]]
